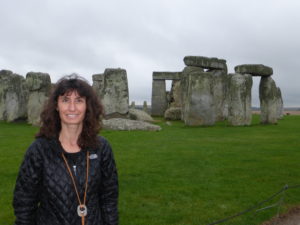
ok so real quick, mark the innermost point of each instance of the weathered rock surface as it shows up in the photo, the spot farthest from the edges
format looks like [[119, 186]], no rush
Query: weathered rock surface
[[220, 81], [145, 107], [175, 94], [125, 124], [112, 88], [132, 105], [141, 115], [98, 85], [173, 113], [185, 86], [280, 108], [13, 96], [239, 99], [199, 106], [205, 62], [254, 69], [268, 101], [166, 75], [159, 98], [39, 86]]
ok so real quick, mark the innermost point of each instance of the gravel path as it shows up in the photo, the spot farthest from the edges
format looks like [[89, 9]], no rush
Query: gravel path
[[292, 217]]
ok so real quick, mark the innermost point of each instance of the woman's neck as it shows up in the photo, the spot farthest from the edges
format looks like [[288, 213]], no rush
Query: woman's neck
[[68, 138]]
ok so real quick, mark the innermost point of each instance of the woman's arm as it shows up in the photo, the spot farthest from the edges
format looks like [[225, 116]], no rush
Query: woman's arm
[[26, 193], [109, 187]]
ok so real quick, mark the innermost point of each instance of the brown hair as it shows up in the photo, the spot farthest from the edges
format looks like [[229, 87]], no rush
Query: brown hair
[[50, 120]]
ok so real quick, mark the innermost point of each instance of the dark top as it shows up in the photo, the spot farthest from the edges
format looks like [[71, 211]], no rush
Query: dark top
[[44, 193]]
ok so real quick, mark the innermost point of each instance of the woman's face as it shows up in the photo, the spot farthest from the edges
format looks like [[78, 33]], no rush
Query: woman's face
[[71, 108]]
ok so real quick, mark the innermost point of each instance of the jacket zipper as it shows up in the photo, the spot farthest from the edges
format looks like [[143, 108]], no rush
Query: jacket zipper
[[74, 168]]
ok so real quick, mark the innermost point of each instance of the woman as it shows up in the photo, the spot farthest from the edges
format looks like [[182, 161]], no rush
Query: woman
[[68, 176]]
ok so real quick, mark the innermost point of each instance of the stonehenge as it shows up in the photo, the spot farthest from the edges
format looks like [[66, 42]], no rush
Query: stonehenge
[[202, 94], [209, 94]]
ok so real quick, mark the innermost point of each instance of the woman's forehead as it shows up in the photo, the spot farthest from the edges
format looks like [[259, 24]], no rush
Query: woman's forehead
[[72, 92]]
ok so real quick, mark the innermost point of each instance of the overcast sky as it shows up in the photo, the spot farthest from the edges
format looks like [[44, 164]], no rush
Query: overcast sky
[[86, 36]]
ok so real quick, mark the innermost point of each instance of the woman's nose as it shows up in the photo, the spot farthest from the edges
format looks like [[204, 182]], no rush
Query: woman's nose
[[71, 106]]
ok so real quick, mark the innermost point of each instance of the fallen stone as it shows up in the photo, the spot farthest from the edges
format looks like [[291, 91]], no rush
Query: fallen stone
[[141, 115], [173, 113], [254, 69], [205, 62], [126, 124]]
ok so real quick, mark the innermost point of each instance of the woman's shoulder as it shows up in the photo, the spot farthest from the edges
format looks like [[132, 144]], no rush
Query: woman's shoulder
[[38, 145], [102, 140], [104, 144]]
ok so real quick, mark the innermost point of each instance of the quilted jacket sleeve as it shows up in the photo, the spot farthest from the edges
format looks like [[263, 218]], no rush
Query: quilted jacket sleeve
[[26, 191], [109, 187]]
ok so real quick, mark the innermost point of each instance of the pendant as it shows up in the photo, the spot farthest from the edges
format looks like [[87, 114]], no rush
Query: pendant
[[81, 210]]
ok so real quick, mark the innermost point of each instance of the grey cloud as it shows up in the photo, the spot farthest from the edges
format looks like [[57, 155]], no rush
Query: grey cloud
[[143, 36]]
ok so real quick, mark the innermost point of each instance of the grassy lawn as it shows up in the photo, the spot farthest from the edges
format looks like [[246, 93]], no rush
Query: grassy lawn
[[182, 175]]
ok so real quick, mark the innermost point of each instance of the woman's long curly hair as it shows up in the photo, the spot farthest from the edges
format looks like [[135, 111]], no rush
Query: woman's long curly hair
[[50, 120]]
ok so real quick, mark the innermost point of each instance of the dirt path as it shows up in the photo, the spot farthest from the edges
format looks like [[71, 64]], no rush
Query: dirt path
[[284, 113], [292, 217]]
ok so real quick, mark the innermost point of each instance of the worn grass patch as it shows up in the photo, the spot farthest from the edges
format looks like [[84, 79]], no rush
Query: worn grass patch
[[183, 175]]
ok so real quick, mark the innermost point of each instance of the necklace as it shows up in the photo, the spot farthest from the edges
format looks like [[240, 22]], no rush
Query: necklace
[[81, 209]]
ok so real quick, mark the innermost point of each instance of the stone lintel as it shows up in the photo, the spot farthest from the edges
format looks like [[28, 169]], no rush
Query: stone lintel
[[205, 62], [254, 69], [166, 75]]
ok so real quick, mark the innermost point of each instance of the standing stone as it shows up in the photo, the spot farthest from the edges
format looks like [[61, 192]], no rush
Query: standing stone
[[112, 88], [13, 96], [239, 99], [279, 104], [39, 86], [98, 85], [132, 105], [145, 107], [220, 93], [175, 94], [159, 98], [174, 110], [268, 100], [199, 107], [184, 83]]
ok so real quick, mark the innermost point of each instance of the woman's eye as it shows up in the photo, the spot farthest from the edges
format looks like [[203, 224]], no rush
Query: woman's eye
[[79, 100]]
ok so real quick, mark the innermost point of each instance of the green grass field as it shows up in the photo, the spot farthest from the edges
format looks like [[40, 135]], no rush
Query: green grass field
[[182, 175]]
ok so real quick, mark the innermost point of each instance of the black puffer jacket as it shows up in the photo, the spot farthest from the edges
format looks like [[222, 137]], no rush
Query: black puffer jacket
[[44, 193]]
